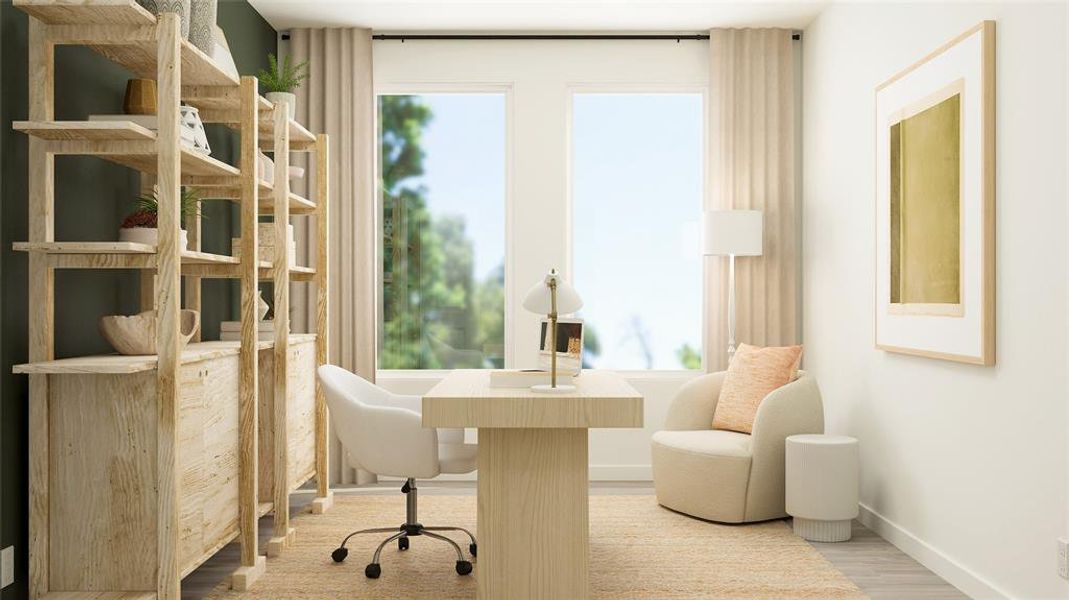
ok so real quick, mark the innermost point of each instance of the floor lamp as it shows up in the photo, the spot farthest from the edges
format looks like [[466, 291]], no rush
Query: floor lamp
[[732, 233]]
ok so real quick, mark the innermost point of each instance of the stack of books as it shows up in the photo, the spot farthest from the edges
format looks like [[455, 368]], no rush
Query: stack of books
[[230, 331]]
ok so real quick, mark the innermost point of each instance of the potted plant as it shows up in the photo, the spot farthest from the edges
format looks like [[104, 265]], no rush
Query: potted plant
[[279, 83], [141, 225]]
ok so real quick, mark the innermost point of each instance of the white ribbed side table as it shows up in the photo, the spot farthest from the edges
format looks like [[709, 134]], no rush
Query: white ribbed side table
[[822, 485]]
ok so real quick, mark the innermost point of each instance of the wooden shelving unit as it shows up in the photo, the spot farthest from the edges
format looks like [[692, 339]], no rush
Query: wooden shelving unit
[[142, 467]]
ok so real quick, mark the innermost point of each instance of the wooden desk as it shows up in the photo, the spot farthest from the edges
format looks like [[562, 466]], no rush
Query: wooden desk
[[533, 528]]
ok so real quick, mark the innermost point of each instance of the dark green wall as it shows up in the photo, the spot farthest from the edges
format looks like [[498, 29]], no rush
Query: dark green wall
[[92, 197]]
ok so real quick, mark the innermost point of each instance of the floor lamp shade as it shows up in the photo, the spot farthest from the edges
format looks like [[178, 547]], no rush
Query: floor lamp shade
[[733, 233]]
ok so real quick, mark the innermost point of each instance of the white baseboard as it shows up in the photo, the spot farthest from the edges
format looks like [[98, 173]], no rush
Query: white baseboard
[[953, 572]]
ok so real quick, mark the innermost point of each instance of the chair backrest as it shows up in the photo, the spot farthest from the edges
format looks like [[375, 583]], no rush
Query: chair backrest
[[382, 431]]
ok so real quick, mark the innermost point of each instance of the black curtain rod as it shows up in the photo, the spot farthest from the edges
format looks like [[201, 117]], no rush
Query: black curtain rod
[[539, 36]]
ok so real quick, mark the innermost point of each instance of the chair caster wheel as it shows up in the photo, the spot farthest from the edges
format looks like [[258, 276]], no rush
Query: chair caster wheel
[[472, 548], [339, 554], [463, 567], [402, 543], [372, 571]]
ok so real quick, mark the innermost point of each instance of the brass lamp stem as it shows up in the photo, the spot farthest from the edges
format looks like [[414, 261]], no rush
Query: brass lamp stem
[[553, 333]]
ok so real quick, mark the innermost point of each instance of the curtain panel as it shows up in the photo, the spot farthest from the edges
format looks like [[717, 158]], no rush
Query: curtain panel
[[753, 152], [338, 99]]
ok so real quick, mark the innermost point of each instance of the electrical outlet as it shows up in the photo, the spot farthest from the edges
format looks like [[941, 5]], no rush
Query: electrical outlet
[[1063, 557], [7, 566]]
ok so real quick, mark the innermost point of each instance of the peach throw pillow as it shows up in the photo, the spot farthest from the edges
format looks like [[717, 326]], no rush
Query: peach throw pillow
[[753, 374]]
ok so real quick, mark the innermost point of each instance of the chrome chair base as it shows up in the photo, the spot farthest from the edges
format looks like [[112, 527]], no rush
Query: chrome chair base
[[409, 529]]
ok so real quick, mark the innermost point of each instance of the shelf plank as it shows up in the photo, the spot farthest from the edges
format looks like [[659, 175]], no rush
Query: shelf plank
[[118, 364], [99, 596], [298, 204], [300, 138], [115, 255], [96, 12], [91, 131], [136, 53], [127, 144]]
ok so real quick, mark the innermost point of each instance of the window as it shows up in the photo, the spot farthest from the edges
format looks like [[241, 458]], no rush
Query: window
[[637, 185], [442, 160]]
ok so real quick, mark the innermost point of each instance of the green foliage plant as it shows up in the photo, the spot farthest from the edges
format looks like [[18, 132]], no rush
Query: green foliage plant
[[284, 78]]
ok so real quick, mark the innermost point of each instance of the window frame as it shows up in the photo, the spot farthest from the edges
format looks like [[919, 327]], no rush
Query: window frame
[[639, 88], [440, 88]]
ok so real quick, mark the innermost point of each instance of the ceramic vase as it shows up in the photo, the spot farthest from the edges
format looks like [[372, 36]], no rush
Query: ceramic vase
[[136, 335], [202, 15], [140, 98], [181, 7], [288, 97]]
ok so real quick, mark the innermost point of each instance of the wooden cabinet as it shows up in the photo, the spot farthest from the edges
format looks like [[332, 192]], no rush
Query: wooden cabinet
[[102, 473]]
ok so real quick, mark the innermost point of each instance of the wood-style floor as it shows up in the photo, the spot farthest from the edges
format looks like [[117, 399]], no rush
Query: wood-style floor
[[881, 570]]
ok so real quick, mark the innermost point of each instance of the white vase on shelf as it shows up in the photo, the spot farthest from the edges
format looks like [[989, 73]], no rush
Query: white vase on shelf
[[150, 236], [288, 97]]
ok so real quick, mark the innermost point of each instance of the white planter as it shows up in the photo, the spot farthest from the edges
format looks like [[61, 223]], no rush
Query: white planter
[[287, 97], [150, 236]]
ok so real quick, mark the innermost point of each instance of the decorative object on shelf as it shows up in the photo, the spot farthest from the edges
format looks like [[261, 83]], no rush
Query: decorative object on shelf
[[265, 167], [221, 54], [230, 331], [267, 241], [262, 307], [140, 97], [136, 335], [935, 204], [193, 129], [550, 297], [141, 225], [732, 233], [202, 15], [296, 172], [181, 7], [280, 81]]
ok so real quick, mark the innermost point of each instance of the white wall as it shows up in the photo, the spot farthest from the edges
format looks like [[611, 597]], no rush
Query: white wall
[[963, 466]]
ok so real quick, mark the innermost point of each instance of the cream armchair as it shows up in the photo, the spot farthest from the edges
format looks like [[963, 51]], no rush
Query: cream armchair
[[728, 476]]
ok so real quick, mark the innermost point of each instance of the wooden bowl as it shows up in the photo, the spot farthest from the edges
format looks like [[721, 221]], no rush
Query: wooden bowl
[[136, 335]]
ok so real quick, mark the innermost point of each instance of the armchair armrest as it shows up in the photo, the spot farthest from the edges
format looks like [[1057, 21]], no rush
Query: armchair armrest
[[694, 405], [795, 408]]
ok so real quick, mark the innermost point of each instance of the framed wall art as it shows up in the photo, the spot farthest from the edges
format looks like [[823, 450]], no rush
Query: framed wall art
[[935, 203]]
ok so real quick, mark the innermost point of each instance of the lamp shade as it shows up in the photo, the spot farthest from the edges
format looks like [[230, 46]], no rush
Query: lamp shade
[[733, 232], [539, 298]]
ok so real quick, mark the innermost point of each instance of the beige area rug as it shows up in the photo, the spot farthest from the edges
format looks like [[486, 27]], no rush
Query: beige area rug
[[637, 550]]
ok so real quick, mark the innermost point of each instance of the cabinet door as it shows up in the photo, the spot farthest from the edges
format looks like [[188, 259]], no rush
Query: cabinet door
[[208, 458], [301, 413]]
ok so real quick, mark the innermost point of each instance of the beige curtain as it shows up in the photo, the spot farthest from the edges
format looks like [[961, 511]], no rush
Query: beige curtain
[[338, 99], [753, 153]]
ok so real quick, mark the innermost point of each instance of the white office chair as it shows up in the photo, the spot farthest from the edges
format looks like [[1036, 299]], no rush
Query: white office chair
[[384, 432]]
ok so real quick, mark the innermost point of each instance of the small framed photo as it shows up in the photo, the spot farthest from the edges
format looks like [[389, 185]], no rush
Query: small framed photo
[[569, 346]]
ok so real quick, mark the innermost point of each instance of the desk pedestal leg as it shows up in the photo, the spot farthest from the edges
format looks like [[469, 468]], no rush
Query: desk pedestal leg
[[533, 524]]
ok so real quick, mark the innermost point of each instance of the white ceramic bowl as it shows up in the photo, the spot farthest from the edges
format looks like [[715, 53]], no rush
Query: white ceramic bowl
[[136, 334]]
